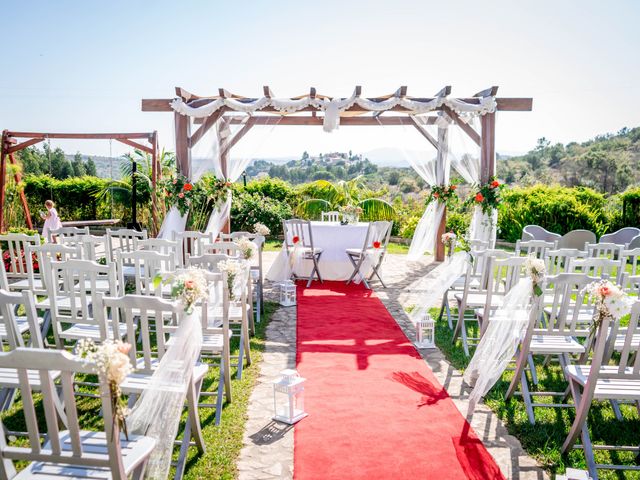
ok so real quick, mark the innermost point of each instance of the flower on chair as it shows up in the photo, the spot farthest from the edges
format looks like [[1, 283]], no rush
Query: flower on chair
[[376, 244], [295, 239]]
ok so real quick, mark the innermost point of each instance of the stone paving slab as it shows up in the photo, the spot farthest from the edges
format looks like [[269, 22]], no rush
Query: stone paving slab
[[268, 445]]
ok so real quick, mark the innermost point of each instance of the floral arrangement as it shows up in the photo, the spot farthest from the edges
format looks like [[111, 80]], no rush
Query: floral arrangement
[[449, 241], [232, 268], [610, 301], [443, 193], [536, 269], [188, 287], [246, 246], [488, 195], [216, 190], [179, 193], [261, 229], [6, 258], [113, 363]]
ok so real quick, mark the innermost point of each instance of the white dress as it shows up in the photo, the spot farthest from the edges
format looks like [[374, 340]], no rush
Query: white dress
[[51, 223]]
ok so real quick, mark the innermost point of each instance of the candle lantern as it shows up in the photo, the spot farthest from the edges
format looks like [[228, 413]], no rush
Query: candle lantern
[[287, 293], [425, 332], [288, 397]]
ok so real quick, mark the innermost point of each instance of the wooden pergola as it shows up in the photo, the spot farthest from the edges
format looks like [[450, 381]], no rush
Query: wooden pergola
[[13, 142], [352, 116]]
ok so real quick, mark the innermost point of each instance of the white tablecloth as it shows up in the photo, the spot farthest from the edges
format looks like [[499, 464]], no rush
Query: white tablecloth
[[333, 239]]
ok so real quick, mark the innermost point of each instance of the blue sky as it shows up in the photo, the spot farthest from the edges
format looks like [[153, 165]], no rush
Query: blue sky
[[85, 65]]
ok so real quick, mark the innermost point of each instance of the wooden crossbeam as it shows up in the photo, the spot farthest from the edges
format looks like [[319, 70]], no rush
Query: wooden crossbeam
[[94, 136], [136, 145], [292, 120], [504, 104], [468, 129], [424, 132], [23, 145], [400, 93]]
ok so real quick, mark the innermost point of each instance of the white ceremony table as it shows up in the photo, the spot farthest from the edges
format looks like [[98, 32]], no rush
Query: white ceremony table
[[333, 239]]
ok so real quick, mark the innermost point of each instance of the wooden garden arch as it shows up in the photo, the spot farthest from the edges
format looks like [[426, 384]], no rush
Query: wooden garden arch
[[352, 116], [13, 142]]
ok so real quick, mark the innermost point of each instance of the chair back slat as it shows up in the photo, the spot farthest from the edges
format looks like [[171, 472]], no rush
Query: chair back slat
[[191, 244], [605, 250], [123, 239], [73, 425], [208, 261], [146, 264], [559, 261], [332, 216], [600, 267], [569, 303], [538, 248], [224, 247]]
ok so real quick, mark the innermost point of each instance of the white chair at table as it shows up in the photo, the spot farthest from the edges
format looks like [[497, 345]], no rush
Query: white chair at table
[[624, 236], [371, 254], [257, 274], [19, 264], [68, 232], [239, 310], [578, 239], [477, 247], [145, 266], [474, 294], [71, 301], [304, 247], [601, 382], [134, 310], [123, 239], [539, 248], [558, 338], [191, 243], [332, 216], [161, 245], [71, 453]]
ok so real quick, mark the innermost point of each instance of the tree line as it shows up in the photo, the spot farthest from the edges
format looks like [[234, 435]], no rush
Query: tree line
[[54, 162]]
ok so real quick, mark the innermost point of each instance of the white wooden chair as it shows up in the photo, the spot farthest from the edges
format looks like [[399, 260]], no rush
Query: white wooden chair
[[631, 262], [559, 337], [74, 452], [191, 243], [12, 331], [559, 260], [123, 239], [43, 255], [141, 267], [371, 254], [332, 216], [301, 229], [600, 267], [68, 232], [473, 296], [224, 247], [15, 255], [538, 248], [71, 301], [601, 382], [161, 245], [605, 250], [147, 354], [94, 247], [476, 249]]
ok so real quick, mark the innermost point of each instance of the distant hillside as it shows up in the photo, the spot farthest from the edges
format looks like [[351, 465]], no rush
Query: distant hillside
[[103, 165], [608, 163]]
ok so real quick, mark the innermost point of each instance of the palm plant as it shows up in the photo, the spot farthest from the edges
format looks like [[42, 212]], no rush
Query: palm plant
[[322, 196]]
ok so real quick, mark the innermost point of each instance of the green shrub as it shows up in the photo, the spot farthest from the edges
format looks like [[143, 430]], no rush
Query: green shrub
[[274, 188], [247, 209], [558, 209], [409, 227], [458, 222]]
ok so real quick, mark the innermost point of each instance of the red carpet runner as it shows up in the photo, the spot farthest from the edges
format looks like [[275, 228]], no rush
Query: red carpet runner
[[375, 409]]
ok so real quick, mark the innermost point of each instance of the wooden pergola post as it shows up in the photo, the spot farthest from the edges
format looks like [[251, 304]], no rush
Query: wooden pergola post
[[441, 166]]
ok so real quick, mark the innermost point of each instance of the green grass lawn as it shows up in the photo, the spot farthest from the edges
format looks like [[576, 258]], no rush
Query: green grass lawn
[[544, 440], [223, 442], [276, 245]]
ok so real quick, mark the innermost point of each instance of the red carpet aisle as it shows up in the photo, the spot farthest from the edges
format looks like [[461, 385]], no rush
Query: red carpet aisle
[[375, 409]]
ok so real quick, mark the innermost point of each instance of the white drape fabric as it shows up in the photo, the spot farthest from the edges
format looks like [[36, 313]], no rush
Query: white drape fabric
[[335, 106], [500, 341], [157, 412], [173, 223]]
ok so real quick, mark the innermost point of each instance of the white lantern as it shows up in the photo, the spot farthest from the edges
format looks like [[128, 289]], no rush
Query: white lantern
[[288, 397], [425, 332], [287, 293], [573, 474]]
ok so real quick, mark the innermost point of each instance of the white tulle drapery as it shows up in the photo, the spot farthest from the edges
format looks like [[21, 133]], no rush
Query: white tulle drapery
[[173, 223], [157, 412], [333, 107], [499, 343]]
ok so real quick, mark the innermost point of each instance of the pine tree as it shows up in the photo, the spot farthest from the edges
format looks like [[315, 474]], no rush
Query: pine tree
[[90, 167], [79, 169]]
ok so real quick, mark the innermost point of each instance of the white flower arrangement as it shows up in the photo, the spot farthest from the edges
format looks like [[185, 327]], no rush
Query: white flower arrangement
[[449, 241], [610, 301], [247, 247], [112, 362], [188, 287], [261, 229], [536, 269], [233, 268]]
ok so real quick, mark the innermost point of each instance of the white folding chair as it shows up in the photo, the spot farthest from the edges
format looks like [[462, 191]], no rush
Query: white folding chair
[[538, 248], [559, 337], [146, 355], [332, 216], [161, 245], [372, 253], [224, 247], [559, 261], [601, 382], [20, 267], [142, 267], [68, 232], [123, 239], [631, 268], [301, 230], [605, 250], [191, 243], [73, 452], [94, 247]]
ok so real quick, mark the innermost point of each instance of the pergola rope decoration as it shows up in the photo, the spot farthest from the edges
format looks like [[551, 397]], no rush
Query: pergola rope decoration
[[313, 109]]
